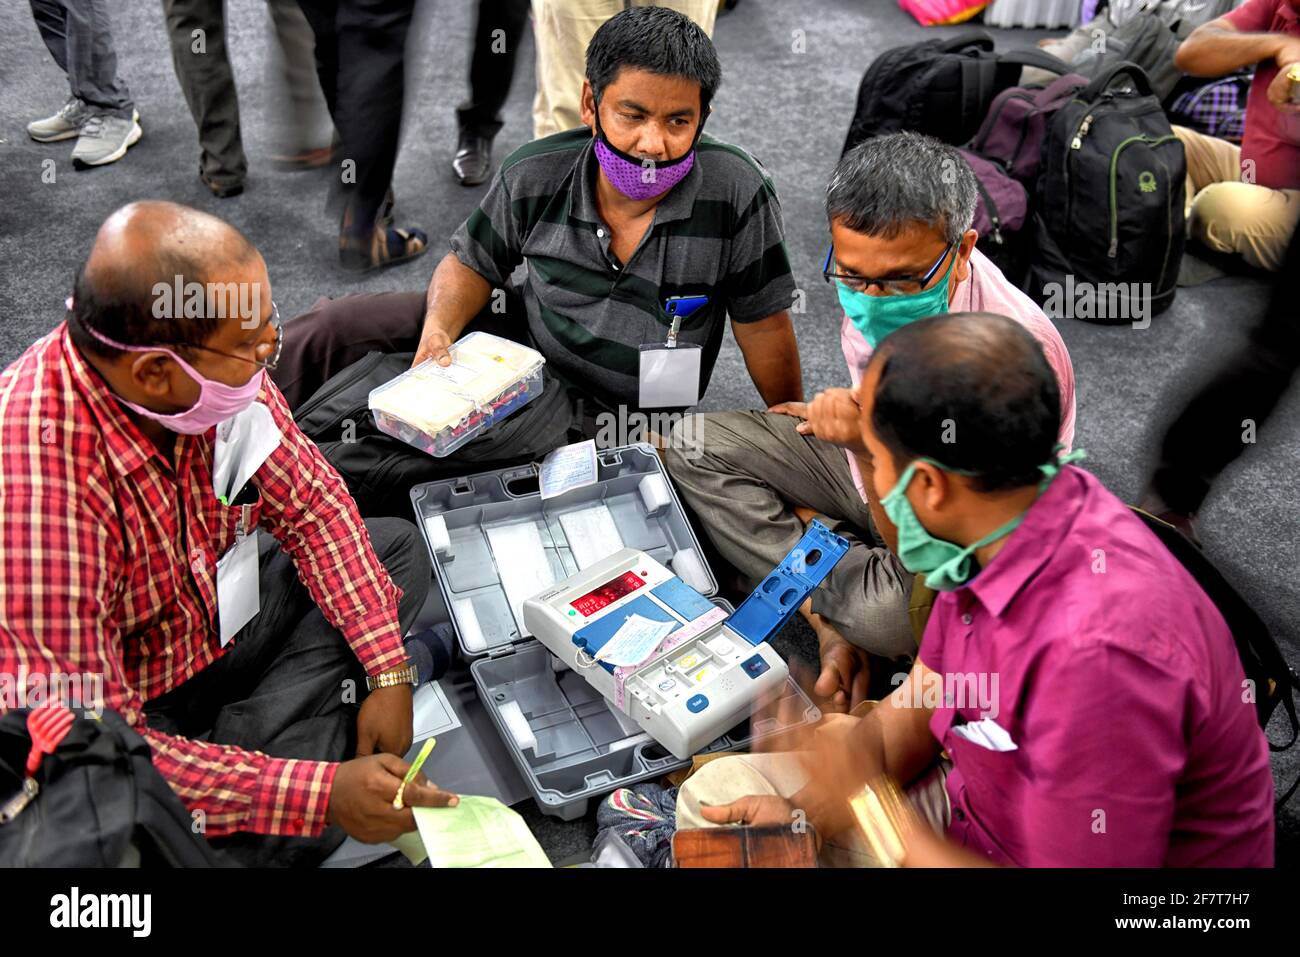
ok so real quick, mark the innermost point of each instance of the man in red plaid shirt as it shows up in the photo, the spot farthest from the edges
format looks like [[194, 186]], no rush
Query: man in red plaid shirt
[[111, 533]]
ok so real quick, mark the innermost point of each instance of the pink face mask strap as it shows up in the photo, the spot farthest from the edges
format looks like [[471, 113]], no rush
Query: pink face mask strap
[[189, 369]]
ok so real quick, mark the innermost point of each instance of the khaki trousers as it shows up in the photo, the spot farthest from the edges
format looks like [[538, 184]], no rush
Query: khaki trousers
[[1231, 216], [562, 29]]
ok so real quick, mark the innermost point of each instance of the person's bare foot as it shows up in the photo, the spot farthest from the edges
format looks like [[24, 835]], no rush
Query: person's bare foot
[[845, 669]]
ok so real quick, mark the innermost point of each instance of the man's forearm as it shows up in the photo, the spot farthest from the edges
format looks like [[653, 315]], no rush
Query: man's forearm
[[910, 749], [455, 296], [1213, 50], [772, 357], [895, 741]]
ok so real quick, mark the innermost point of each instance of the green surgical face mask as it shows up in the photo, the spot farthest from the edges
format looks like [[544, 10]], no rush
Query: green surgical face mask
[[877, 316], [946, 565]]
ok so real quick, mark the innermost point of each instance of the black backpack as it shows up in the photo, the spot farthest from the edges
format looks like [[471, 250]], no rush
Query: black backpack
[[942, 88], [1274, 681], [380, 470], [1109, 206], [1144, 39], [100, 803]]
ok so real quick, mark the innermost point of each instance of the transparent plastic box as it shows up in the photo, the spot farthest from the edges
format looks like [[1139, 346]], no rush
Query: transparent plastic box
[[438, 409]]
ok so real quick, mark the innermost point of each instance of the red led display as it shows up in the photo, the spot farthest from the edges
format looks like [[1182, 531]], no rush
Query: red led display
[[611, 591]]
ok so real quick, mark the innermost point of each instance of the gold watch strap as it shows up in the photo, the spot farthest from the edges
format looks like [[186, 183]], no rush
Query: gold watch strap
[[404, 675], [882, 813]]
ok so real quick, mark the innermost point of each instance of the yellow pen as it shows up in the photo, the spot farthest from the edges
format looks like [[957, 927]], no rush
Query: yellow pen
[[412, 771]]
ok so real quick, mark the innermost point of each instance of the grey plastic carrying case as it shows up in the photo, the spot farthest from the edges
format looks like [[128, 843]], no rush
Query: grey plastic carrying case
[[582, 748]]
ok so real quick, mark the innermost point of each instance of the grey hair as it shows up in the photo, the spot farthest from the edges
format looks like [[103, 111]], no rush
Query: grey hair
[[887, 183]]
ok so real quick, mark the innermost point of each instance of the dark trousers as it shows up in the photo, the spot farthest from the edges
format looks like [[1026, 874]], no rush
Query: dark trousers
[[78, 36], [360, 58], [208, 83], [1208, 435], [280, 686], [492, 65]]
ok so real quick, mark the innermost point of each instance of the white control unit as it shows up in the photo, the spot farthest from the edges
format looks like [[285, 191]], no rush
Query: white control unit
[[703, 679]]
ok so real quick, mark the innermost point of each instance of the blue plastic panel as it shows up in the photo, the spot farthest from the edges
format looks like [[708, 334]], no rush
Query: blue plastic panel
[[779, 595], [682, 598]]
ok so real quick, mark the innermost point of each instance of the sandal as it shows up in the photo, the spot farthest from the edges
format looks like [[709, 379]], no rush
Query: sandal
[[385, 217], [389, 246]]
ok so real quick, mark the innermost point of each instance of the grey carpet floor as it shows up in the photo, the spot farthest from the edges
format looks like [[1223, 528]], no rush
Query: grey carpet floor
[[791, 71]]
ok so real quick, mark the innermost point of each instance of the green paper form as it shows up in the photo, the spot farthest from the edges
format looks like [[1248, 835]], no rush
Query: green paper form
[[478, 832]]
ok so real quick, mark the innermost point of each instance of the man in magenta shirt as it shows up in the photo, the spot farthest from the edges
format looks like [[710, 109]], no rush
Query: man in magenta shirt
[[1086, 690], [900, 210], [1246, 200]]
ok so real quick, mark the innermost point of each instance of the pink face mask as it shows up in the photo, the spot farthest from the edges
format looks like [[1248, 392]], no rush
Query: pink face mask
[[641, 179], [216, 403]]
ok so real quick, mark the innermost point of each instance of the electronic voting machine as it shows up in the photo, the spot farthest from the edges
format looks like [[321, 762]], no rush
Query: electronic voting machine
[[666, 656]]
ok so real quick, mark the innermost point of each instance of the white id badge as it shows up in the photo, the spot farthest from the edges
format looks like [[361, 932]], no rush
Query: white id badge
[[670, 376], [239, 597]]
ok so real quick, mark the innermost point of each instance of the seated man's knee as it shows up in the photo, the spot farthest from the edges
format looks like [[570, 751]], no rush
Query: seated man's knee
[[683, 445], [1223, 213], [720, 781]]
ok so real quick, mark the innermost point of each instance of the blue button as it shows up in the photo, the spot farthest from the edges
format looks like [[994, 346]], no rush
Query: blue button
[[755, 666], [697, 704]]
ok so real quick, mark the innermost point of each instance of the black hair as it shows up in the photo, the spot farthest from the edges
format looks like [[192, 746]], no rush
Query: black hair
[[656, 39], [123, 308], [973, 391]]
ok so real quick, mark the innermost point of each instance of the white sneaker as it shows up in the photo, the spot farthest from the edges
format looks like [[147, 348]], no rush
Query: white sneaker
[[105, 139], [63, 125]]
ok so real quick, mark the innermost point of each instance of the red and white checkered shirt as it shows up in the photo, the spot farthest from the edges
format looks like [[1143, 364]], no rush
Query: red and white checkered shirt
[[108, 560]]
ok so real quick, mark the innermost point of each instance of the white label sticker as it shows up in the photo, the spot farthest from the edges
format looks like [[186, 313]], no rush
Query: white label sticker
[[567, 468], [457, 373]]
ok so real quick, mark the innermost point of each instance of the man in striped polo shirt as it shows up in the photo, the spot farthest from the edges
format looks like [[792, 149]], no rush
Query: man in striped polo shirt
[[617, 224]]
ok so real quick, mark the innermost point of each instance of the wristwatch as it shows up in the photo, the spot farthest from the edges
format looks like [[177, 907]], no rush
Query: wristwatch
[[405, 675]]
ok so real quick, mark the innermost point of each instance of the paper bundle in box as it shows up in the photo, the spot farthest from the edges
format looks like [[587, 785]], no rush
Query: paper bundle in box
[[439, 408]]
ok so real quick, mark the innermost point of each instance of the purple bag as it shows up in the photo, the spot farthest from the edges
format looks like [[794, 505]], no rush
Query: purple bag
[[1016, 125], [1000, 215]]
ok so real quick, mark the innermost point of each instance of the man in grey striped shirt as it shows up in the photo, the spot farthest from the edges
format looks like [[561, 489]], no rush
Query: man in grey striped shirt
[[616, 225]]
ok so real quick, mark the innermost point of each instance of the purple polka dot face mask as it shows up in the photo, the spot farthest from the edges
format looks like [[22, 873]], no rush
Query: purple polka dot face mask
[[641, 179]]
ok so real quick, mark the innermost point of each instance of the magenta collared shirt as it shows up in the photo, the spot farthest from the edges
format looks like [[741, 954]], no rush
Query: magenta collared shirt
[[1116, 678]]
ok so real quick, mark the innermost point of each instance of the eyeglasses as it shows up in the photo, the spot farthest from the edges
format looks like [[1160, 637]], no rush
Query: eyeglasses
[[261, 349], [897, 286]]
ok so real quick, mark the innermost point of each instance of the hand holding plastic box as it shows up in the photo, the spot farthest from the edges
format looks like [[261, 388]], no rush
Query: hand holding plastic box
[[439, 408]]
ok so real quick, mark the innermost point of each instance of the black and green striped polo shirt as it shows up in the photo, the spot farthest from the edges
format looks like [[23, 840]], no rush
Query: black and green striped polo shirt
[[717, 233]]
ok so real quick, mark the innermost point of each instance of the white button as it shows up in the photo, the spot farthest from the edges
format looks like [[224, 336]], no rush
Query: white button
[[965, 619], [600, 233]]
